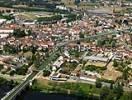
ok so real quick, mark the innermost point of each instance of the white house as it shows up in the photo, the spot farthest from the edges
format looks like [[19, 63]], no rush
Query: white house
[[2, 21], [61, 7], [6, 31], [59, 62], [4, 35]]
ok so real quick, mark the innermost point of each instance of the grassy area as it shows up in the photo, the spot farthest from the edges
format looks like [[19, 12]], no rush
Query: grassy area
[[96, 64], [126, 96], [88, 4], [81, 89], [69, 88], [94, 68], [68, 67], [34, 15]]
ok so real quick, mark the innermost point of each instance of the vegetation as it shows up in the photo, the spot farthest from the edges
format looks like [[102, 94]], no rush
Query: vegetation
[[51, 19], [21, 33], [75, 53], [83, 89], [5, 3], [67, 67], [118, 91], [108, 42], [30, 9], [111, 94], [46, 73], [126, 96], [115, 63], [123, 67], [8, 17], [10, 49], [74, 88], [1, 67], [72, 17], [107, 81], [98, 83], [94, 68], [81, 35], [3, 81], [12, 73], [23, 70]]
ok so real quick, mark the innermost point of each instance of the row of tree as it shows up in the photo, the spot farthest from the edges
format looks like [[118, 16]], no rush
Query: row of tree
[[114, 92], [52, 18]]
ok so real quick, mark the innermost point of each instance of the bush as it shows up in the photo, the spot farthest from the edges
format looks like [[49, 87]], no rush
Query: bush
[[94, 68], [107, 81], [21, 33], [46, 73], [49, 19], [98, 83]]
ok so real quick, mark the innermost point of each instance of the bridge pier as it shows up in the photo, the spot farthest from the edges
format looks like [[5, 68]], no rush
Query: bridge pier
[[30, 83]]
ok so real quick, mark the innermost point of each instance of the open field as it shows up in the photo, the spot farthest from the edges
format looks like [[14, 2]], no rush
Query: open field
[[34, 15], [98, 64], [111, 73]]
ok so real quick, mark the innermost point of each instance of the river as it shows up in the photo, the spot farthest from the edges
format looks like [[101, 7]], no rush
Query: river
[[46, 96]]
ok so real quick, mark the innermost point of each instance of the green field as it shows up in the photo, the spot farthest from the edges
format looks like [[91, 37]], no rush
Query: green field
[[65, 87]]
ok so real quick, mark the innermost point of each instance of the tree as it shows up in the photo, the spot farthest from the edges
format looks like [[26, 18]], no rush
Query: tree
[[23, 70], [81, 35], [12, 73], [104, 93], [127, 96], [110, 96], [2, 81], [1, 67], [46, 73], [118, 90], [113, 44], [115, 63], [125, 74], [100, 42], [111, 85], [49, 19], [77, 2], [21, 33], [10, 49], [98, 83]]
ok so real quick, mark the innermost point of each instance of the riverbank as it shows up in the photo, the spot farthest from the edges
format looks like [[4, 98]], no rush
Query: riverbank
[[64, 87], [43, 89], [83, 90]]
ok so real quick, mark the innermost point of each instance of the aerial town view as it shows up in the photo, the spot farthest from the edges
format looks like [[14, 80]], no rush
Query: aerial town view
[[65, 49]]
